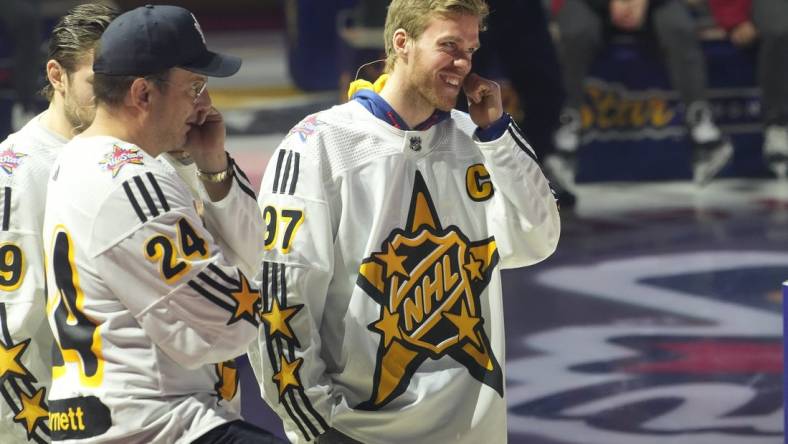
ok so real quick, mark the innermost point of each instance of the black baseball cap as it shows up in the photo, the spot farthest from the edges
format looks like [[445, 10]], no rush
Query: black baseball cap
[[154, 38]]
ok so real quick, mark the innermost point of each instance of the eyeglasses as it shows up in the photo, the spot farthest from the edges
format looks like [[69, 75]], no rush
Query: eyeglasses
[[196, 89]]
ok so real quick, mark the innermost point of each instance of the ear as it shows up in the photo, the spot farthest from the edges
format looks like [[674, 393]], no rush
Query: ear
[[139, 95], [56, 74], [400, 42]]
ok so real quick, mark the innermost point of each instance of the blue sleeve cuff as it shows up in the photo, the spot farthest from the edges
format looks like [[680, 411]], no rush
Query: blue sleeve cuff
[[495, 130]]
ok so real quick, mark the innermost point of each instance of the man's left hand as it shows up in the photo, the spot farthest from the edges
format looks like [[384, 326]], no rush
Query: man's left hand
[[484, 100]]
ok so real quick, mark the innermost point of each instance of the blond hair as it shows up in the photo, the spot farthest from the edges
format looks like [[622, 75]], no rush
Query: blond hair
[[413, 16]]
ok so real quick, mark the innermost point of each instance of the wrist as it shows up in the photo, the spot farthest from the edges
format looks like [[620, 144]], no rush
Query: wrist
[[216, 175]]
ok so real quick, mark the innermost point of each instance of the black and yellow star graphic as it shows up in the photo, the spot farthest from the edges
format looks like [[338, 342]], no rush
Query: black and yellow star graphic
[[428, 281], [33, 411], [277, 319], [247, 300], [288, 375], [11, 360]]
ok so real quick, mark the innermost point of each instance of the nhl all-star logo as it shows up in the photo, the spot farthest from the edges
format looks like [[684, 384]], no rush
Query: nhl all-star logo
[[428, 281], [118, 157], [10, 160]]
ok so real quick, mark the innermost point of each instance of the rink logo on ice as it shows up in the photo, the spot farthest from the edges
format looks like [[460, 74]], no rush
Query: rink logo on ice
[[700, 368], [611, 111], [10, 160], [119, 157], [429, 281]]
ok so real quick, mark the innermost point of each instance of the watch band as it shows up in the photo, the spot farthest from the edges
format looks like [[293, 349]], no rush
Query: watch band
[[219, 176]]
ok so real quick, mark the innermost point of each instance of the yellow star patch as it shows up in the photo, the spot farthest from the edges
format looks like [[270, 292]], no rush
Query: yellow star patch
[[474, 268], [288, 375], [393, 262], [277, 319], [466, 325], [388, 325], [245, 300], [32, 411], [10, 359]]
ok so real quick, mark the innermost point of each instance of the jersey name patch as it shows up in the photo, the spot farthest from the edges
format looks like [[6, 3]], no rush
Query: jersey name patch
[[78, 418], [119, 157], [10, 160], [428, 281]]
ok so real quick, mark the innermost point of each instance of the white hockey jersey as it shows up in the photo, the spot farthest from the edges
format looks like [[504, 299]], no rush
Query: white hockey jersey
[[382, 314], [25, 339], [142, 300]]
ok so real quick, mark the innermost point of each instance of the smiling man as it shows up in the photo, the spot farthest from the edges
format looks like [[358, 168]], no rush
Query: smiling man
[[389, 220], [147, 298]]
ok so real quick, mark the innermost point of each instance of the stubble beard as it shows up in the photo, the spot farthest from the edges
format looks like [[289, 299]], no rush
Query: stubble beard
[[79, 117]]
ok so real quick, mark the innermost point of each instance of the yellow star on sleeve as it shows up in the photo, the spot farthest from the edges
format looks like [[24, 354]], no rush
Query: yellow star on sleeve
[[288, 374], [277, 319], [393, 262], [466, 325], [10, 359], [245, 300], [32, 410]]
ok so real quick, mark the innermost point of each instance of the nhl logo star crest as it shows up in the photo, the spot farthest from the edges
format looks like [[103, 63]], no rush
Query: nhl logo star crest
[[10, 160], [429, 282], [115, 160]]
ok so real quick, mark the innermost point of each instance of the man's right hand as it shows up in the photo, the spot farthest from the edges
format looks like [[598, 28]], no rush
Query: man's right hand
[[628, 15]]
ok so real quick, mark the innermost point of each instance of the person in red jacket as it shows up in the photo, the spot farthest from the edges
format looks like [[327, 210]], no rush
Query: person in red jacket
[[764, 22]]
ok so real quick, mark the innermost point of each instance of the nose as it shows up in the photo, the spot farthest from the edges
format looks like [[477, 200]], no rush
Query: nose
[[463, 62]]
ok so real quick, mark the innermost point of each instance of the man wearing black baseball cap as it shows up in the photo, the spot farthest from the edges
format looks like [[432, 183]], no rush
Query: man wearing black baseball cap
[[149, 300]]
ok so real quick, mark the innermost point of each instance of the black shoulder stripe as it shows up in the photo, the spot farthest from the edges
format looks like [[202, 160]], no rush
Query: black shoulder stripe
[[293, 182], [244, 187], [296, 420], [219, 272], [278, 170], [286, 172], [242, 180], [146, 196], [518, 137], [215, 285], [210, 296], [159, 193], [153, 198], [6, 208], [238, 170], [134, 203]]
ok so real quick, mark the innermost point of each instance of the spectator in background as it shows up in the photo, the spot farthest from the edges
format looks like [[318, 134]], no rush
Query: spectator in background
[[585, 27], [22, 22], [523, 47], [765, 21]]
